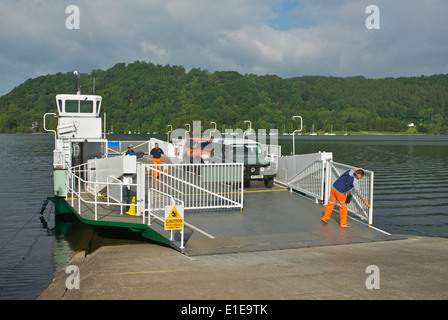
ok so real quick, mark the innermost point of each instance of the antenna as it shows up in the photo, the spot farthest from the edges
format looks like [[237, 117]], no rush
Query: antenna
[[76, 74]]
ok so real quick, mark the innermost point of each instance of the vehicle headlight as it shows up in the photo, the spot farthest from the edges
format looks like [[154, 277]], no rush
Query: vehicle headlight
[[261, 169]]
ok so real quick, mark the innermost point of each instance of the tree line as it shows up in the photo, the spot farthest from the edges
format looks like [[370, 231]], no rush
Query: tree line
[[145, 97]]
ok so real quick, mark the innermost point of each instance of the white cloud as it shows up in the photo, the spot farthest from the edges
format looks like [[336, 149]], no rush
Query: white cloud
[[325, 37]]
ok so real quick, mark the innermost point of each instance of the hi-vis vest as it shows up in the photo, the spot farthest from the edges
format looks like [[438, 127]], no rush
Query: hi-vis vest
[[344, 182]]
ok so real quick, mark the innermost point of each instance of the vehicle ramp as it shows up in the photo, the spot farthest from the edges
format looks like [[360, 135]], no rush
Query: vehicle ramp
[[272, 219]]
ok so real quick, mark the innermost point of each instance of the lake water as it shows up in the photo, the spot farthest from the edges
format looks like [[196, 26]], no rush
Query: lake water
[[26, 262], [410, 197]]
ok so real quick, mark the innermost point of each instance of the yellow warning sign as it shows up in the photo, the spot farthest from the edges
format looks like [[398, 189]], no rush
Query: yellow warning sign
[[174, 224], [174, 214], [174, 217]]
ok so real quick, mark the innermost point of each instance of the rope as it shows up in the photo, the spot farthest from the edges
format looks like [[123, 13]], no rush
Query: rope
[[41, 211]]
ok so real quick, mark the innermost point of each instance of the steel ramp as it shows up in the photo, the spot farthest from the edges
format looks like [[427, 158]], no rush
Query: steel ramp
[[272, 219]]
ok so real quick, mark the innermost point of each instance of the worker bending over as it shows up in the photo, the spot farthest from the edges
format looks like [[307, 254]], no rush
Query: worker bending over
[[342, 191]]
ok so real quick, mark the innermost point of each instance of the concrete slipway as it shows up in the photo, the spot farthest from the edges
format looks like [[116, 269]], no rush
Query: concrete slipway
[[413, 268], [271, 252]]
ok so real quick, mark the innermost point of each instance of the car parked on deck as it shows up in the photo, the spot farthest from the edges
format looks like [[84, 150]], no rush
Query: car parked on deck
[[196, 150], [246, 151]]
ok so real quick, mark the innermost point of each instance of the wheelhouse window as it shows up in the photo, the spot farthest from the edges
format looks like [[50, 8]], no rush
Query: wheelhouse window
[[247, 149], [78, 106]]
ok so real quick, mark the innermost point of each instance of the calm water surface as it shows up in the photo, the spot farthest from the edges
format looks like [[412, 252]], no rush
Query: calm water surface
[[411, 197], [26, 262]]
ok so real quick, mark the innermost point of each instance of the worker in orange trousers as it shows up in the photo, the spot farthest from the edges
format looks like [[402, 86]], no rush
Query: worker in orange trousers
[[342, 190]]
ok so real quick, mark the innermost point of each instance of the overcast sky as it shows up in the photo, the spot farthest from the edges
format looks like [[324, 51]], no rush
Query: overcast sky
[[287, 38]]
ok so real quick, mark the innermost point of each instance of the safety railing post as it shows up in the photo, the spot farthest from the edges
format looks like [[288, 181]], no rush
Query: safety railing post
[[140, 190], [242, 185], [96, 199], [182, 238], [72, 185], [322, 180], [371, 200], [150, 193], [79, 195], [328, 164]]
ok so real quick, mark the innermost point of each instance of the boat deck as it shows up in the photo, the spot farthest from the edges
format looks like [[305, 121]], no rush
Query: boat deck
[[273, 218]]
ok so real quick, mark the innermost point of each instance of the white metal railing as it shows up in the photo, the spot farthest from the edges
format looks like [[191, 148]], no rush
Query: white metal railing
[[83, 190], [100, 170], [199, 186], [157, 201], [194, 186], [80, 191], [173, 150], [120, 147], [115, 191], [310, 180], [144, 146], [304, 173]]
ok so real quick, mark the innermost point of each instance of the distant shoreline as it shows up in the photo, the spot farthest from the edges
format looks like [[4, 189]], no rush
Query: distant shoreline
[[302, 134]]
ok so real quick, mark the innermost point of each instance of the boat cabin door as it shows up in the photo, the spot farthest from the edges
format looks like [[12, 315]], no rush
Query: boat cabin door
[[77, 154]]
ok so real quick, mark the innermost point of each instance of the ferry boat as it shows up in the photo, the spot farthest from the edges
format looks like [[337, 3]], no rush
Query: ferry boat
[[197, 208]]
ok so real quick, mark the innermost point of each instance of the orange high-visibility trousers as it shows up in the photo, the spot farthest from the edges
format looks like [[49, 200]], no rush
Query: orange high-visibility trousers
[[336, 196], [155, 161], [157, 169]]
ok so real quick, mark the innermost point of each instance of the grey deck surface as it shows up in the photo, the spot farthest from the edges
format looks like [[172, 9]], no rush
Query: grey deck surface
[[271, 219]]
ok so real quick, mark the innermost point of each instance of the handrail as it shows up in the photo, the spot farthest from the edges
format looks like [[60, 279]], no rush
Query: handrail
[[160, 171], [294, 134], [200, 185], [136, 146], [311, 188], [71, 176], [112, 196], [50, 130], [75, 184]]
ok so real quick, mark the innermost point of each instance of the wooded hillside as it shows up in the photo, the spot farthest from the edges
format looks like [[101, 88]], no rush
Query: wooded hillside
[[147, 97]]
